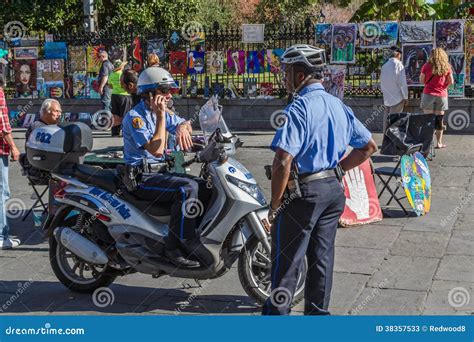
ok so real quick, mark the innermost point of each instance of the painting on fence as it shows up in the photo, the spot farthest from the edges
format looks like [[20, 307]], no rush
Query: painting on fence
[[236, 61], [77, 58], [25, 78], [178, 62], [470, 53], [93, 59], [334, 80], [343, 43], [215, 62], [416, 31], [374, 34], [255, 61], [457, 61], [414, 56], [195, 62], [449, 35], [273, 60], [323, 34]]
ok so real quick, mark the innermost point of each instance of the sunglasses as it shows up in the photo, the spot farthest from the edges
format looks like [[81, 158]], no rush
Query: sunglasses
[[164, 90]]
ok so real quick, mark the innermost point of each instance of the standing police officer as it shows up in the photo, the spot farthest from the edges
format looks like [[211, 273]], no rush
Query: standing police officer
[[307, 166], [144, 135]]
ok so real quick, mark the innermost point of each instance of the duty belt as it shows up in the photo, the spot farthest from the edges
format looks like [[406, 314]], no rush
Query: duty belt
[[308, 177]]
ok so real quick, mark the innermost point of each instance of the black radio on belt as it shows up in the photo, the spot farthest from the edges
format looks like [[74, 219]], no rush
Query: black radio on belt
[[293, 186]]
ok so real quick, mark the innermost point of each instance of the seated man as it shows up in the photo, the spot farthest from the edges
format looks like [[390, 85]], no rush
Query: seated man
[[50, 113], [144, 133]]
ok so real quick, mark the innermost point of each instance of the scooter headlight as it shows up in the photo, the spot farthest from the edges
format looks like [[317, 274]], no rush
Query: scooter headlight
[[252, 189]]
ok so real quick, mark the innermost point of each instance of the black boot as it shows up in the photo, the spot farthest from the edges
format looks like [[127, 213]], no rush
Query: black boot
[[177, 258]]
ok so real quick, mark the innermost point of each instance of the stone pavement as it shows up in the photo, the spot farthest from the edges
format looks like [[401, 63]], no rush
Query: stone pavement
[[400, 266]]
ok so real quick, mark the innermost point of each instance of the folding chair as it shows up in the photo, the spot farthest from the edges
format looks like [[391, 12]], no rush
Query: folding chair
[[388, 173], [35, 178]]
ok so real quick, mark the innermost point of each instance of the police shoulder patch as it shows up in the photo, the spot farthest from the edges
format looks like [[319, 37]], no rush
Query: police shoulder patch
[[137, 122]]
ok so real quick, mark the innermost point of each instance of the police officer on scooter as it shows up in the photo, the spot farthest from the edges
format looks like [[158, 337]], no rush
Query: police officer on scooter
[[307, 169], [145, 130]]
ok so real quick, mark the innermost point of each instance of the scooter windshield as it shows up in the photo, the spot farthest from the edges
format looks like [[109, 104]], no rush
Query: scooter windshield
[[210, 118]]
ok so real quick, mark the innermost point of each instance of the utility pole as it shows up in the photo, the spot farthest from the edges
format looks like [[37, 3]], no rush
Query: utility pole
[[89, 16]]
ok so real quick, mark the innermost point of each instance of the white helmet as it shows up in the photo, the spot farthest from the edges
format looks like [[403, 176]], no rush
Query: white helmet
[[153, 78], [311, 56]]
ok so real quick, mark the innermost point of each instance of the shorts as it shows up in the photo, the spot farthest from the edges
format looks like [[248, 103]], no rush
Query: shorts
[[435, 103]]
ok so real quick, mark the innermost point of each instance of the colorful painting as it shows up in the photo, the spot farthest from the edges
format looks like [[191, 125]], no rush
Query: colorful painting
[[117, 52], [195, 62], [25, 78], [93, 59], [25, 53], [198, 40], [334, 80], [470, 52], [55, 50], [416, 181], [377, 34], [273, 60], [136, 55], [266, 89], [156, 46], [77, 58], [416, 31], [414, 56], [94, 87], [255, 62], [80, 85], [250, 87], [449, 35], [215, 62], [323, 34], [458, 62], [54, 89], [178, 62], [236, 62], [343, 43]]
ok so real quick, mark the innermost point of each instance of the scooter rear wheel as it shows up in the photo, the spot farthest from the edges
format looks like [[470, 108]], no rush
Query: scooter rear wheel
[[255, 273]]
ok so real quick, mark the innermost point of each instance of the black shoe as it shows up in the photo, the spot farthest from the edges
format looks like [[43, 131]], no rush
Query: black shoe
[[177, 258], [195, 248]]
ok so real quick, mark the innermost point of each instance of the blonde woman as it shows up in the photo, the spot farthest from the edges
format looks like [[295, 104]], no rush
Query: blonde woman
[[437, 76]]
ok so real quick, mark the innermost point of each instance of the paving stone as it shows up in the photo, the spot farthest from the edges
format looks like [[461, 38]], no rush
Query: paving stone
[[450, 298], [456, 268], [346, 287], [375, 236], [461, 242], [376, 301], [406, 273], [422, 244], [358, 260], [430, 223]]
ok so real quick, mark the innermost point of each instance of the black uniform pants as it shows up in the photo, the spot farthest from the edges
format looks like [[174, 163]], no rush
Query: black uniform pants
[[181, 193], [306, 227]]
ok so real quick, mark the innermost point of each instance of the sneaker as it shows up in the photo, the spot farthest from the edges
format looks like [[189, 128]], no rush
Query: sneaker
[[9, 243]]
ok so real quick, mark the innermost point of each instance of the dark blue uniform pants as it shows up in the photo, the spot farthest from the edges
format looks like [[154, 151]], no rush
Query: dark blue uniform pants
[[306, 227], [174, 190]]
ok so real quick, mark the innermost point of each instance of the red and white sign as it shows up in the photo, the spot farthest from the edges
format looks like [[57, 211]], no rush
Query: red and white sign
[[362, 202]]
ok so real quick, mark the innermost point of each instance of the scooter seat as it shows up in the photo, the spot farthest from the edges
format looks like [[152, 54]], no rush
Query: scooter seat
[[105, 179]]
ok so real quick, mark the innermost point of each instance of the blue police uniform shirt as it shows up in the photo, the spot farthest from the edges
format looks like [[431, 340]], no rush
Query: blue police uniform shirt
[[138, 127], [318, 129]]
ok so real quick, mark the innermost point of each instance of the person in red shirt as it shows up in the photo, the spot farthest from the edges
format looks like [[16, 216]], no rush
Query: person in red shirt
[[437, 76], [7, 148]]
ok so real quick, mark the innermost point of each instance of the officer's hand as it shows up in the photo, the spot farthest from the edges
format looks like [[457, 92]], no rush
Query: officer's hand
[[183, 137], [158, 106]]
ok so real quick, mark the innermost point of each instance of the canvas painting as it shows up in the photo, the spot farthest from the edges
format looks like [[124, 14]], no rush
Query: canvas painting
[[457, 61], [449, 35], [55, 50], [136, 55], [416, 31], [25, 53], [156, 46], [323, 34], [236, 62], [195, 62], [215, 62], [273, 60], [343, 43], [77, 58], [117, 52], [178, 62], [80, 85], [93, 60], [25, 78], [470, 53], [94, 87], [334, 80], [378, 34], [414, 56], [255, 62]]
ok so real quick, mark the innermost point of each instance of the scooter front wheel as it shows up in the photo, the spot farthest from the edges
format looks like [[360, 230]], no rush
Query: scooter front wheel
[[255, 273]]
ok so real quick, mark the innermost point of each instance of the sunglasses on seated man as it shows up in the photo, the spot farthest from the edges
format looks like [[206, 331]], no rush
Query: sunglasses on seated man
[[164, 90]]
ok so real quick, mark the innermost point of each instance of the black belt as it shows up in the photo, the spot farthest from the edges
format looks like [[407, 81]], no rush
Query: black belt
[[308, 177]]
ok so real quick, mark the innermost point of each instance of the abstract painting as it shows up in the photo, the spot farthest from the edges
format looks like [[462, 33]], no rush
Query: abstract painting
[[273, 60], [156, 46], [323, 34], [77, 58], [343, 43], [178, 62], [195, 62], [378, 34], [334, 80], [236, 62], [215, 62], [416, 31], [80, 85], [93, 60], [414, 56], [255, 62], [470, 53], [449, 35], [457, 61]]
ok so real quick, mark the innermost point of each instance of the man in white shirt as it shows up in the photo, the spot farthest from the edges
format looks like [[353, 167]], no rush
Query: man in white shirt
[[394, 85]]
